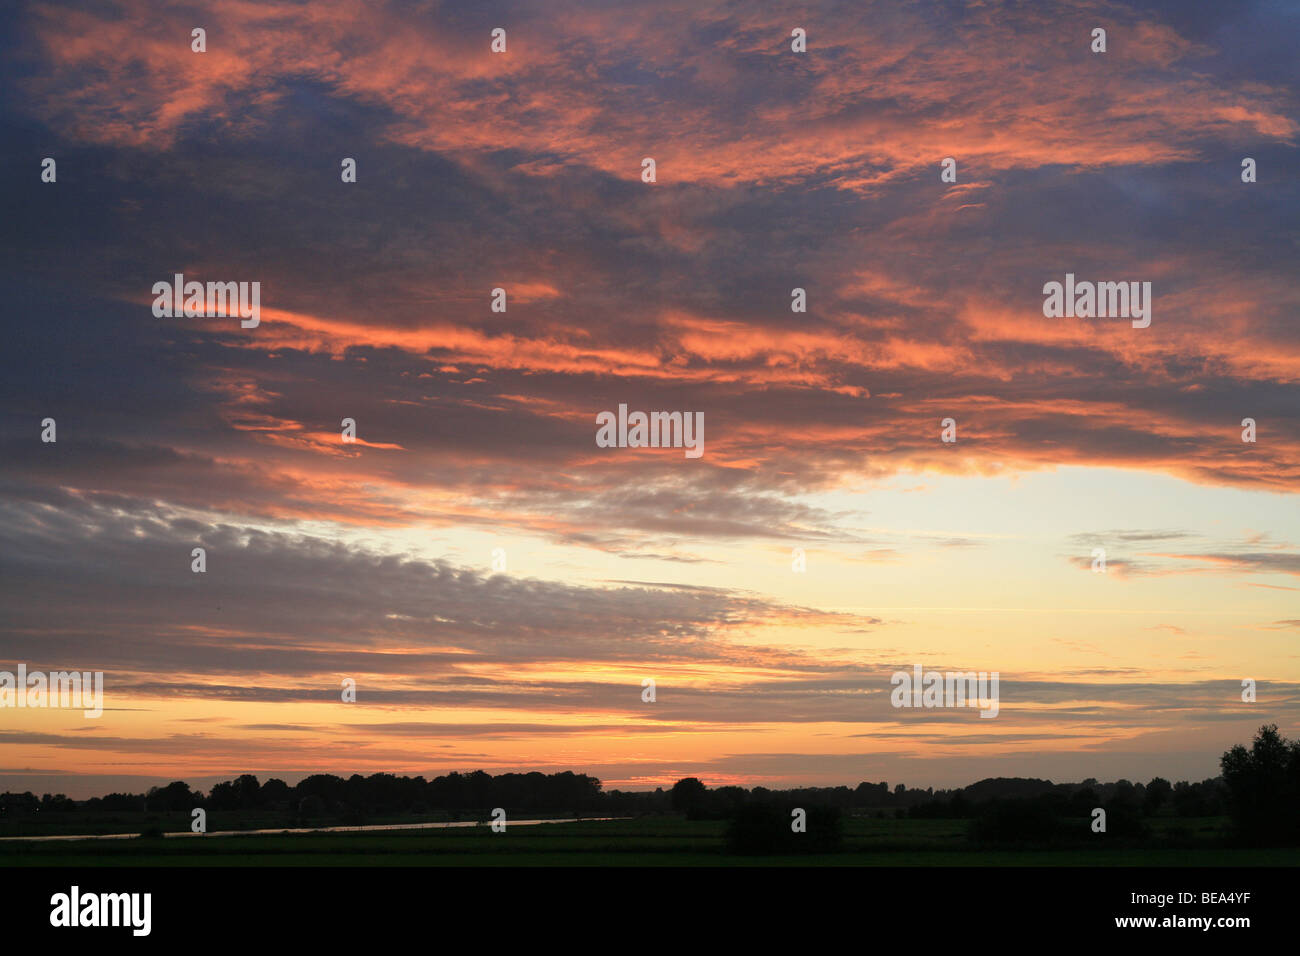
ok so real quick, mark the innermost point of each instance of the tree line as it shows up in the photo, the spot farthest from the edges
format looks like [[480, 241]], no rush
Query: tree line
[[1259, 787]]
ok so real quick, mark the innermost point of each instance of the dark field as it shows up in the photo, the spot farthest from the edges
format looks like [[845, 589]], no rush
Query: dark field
[[649, 841]]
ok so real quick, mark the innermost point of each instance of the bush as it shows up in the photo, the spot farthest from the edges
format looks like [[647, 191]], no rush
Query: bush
[[765, 829], [1016, 821], [1045, 821]]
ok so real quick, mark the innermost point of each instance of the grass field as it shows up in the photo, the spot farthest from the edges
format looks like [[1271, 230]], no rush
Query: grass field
[[650, 841]]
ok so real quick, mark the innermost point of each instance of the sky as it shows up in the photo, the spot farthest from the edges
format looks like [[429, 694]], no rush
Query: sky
[[496, 583]]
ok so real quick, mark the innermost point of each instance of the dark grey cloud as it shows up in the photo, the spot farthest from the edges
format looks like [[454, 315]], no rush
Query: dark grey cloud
[[113, 588]]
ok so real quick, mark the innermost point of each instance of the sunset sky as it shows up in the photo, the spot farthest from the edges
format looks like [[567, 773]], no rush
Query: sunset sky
[[476, 429]]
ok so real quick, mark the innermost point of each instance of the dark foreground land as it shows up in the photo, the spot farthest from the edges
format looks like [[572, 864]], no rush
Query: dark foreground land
[[1247, 817], [649, 841]]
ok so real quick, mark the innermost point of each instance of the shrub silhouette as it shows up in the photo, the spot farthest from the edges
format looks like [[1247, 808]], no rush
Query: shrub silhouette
[[765, 829], [1050, 819], [1016, 821]]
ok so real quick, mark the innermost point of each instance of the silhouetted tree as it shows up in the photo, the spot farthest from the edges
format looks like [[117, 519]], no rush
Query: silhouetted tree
[[1263, 786], [174, 796], [1158, 791], [688, 796], [274, 792]]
